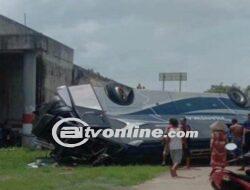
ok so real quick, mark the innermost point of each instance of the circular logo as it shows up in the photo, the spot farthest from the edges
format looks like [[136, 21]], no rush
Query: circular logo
[[69, 145]]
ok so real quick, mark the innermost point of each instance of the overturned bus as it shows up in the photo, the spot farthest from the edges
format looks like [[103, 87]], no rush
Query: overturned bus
[[116, 106]]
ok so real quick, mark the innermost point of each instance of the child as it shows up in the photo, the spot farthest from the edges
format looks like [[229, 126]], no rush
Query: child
[[175, 146], [217, 145]]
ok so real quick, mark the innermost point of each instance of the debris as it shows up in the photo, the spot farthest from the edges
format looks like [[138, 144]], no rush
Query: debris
[[42, 163]]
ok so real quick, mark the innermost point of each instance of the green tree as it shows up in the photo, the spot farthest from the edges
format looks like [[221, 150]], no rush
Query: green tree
[[219, 88]]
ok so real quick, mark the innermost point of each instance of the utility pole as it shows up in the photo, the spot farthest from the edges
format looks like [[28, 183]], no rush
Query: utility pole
[[163, 83], [180, 82], [24, 17]]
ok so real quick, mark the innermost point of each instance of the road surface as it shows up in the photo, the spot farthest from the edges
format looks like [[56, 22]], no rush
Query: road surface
[[192, 179]]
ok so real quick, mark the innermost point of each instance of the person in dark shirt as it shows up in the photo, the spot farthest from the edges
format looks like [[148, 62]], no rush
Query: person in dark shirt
[[246, 135], [186, 149], [246, 138], [1, 137], [236, 133]]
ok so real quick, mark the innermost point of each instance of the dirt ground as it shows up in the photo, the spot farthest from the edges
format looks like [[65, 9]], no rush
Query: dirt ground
[[192, 179]]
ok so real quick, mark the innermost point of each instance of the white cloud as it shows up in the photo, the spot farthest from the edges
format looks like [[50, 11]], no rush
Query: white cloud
[[132, 41], [94, 49]]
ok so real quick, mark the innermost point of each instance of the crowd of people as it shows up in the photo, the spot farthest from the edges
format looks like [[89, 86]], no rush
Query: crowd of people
[[221, 134]]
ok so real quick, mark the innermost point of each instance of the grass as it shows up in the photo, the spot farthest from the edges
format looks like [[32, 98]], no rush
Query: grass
[[14, 174]]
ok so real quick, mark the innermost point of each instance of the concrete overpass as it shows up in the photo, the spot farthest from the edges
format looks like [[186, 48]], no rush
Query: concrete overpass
[[32, 65]]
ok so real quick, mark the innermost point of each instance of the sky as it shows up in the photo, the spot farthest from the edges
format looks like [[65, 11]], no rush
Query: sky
[[132, 41]]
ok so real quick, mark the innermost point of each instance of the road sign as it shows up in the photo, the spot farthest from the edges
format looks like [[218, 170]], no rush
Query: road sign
[[178, 76], [172, 76]]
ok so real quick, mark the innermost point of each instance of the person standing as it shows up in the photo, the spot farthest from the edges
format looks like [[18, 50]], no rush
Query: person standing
[[186, 142], [165, 152], [1, 137], [217, 145], [246, 135], [236, 133], [246, 138], [175, 146]]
